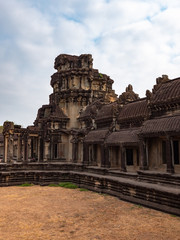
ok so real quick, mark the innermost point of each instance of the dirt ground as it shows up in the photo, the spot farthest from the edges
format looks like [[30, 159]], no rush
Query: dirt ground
[[54, 213]]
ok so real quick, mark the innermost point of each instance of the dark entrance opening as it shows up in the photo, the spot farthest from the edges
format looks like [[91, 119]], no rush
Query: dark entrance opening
[[164, 159], [176, 152], [129, 157], [55, 150]]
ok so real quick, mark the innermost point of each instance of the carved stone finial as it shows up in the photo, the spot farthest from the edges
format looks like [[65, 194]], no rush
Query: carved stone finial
[[129, 95], [8, 127], [129, 88], [162, 79], [148, 94]]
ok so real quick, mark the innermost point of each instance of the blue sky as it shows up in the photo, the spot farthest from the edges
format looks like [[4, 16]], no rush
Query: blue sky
[[132, 41]]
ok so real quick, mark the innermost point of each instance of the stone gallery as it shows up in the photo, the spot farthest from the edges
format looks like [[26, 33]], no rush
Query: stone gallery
[[126, 146]]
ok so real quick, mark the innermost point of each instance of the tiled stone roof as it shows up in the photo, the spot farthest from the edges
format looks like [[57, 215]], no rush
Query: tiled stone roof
[[123, 136], [33, 128], [58, 113], [167, 92], [87, 112], [54, 113], [137, 109], [97, 136], [90, 110], [161, 126], [106, 112]]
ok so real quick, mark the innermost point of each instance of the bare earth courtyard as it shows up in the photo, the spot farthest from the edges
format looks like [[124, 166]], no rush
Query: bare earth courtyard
[[54, 213]]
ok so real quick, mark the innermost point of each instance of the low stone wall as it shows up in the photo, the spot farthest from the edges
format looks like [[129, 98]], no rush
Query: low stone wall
[[162, 192]]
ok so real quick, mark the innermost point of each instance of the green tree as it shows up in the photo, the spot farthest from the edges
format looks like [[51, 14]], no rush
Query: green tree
[[1, 129]]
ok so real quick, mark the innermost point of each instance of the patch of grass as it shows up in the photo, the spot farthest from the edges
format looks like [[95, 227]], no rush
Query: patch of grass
[[53, 185], [26, 184], [172, 215], [83, 189], [136, 206], [67, 185]]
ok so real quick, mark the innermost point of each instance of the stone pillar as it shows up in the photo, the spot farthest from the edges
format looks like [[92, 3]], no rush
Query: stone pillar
[[25, 140], [123, 158], [46, 150], [19, 149], [75, 151], [85, 153], [51, 149], [10, 148], [6, 140], [169, 155], [102, 156], [40, 149], [143, 151], [8, 130]]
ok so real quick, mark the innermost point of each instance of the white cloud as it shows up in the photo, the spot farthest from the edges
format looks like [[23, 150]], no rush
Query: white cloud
[[133, 41]]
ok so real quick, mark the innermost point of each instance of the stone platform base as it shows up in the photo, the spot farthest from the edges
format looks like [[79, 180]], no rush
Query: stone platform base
[[160, 191]]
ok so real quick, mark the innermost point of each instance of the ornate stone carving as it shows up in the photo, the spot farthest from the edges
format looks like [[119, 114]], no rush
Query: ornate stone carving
[[148, 94], [128, 96]]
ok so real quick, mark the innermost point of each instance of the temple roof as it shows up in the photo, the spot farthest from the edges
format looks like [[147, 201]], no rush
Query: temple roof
[[107, 111], [50, 112], [58, 114], [168, 91], [137, 109], [91, 110], [161, 126], [97, 136], [123, 136]]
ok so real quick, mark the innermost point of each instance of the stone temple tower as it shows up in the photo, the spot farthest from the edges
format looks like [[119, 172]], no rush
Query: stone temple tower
[[76, 84]]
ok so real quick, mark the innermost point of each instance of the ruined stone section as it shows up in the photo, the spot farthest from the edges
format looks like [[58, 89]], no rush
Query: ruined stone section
[[76, 84]]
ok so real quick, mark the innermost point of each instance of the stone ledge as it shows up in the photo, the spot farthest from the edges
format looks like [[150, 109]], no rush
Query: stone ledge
[[152, 195]]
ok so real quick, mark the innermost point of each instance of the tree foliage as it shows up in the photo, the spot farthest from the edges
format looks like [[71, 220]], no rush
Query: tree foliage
[[1, 129]]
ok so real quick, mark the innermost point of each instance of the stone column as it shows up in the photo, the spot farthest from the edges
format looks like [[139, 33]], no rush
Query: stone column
[[46, 151], [40, 149], [143, 149], [123, 158], [75, 151], [6, 140], [10, 148], [51, 149], [25, 140], [102, 156], [19, 149], [169, 155]]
